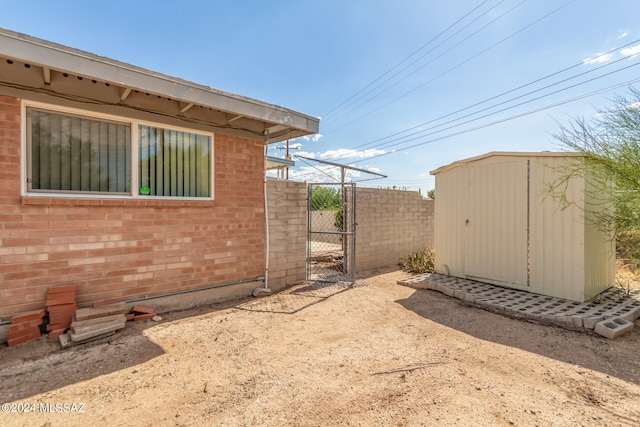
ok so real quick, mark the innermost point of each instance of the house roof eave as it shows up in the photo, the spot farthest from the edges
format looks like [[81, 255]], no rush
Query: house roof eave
[[275, 122]]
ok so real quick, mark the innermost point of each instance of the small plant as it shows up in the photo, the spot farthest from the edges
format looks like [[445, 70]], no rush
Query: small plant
[[420, 262], [624, 285]]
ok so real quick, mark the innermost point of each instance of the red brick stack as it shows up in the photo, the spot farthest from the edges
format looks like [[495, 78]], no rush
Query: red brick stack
[[61, 305], [140, 313], [25, 327]]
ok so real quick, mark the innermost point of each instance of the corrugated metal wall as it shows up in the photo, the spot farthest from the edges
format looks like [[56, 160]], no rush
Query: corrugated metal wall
[[496, 222], [557, 233], [449, 229]]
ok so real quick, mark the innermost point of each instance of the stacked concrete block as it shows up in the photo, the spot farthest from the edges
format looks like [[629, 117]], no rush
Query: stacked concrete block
[[391, 224], [287, 210], [612, 316], [613, 327]]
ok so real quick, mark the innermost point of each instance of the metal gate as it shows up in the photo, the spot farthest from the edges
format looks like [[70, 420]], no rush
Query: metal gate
[[331, 242]]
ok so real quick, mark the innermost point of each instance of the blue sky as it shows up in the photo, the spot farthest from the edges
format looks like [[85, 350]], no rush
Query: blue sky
[[383, 76]]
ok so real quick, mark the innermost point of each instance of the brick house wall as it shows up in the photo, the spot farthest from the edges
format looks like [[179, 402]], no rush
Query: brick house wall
[[127, 249]]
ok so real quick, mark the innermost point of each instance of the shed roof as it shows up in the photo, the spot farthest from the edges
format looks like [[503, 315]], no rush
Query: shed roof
[[503, 154], [39, 65]]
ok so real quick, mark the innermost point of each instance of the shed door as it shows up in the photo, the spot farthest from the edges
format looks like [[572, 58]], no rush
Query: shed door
[[496, 227]]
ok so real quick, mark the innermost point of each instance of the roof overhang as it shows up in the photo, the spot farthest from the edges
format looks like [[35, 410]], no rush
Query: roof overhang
[[38, 65], [529, 154], [278, 163]]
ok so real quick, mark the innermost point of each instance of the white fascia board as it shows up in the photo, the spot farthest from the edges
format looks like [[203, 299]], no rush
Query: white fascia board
[[62, 58]]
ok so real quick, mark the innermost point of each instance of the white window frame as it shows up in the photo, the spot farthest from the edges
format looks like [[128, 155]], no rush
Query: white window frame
[[134, 178]]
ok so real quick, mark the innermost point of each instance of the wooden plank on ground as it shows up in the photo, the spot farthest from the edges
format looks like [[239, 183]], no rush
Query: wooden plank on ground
[[98, 320], [106, 310], [82, 329], [65, 339], [94, 332]]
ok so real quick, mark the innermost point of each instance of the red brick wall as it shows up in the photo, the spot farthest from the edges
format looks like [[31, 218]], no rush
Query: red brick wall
[[126, 249]]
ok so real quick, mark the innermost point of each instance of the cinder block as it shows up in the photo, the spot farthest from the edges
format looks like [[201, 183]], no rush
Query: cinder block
[[448, 291], [469, 297], [566, 321], [459, 294], [613, 327], [591, 322]]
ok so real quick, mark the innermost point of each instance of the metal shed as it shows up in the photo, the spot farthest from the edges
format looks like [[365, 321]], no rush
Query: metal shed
[[496, 223]]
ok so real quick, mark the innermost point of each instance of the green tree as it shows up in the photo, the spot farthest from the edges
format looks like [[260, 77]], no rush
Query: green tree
[[610, 144], [326, 198], [431, 193]]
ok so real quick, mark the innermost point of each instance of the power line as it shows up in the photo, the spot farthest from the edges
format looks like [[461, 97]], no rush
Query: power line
[[537, 110], [566, 101], [403, 139], [364, 89], [581, 63], [456, 66], [429, 62]]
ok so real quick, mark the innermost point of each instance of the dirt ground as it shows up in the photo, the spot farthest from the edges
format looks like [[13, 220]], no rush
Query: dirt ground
[[375, 354]]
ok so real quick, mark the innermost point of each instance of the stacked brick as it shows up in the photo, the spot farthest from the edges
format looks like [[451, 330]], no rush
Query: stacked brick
[[61, 305], [140, 313], [25, 327]]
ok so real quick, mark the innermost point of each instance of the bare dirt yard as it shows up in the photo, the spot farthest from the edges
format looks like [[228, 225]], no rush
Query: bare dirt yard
[[375, 354]]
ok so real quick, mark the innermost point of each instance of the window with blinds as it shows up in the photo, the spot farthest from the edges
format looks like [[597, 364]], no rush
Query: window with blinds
[[69, 153], [174, 163]]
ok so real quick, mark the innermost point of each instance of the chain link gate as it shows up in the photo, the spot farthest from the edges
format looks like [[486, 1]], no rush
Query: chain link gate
[[331, 242]]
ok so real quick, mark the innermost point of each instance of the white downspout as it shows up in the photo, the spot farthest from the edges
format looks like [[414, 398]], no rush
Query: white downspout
[[257, 292]]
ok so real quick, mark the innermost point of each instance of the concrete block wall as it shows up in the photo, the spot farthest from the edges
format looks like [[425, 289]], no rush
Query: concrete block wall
[[287, 211], [391, 224], [128, 248]]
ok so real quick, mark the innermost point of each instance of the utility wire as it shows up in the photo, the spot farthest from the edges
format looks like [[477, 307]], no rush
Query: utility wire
[[496, 96], [319, 170], [537, 110], [452, 68], [405, 141], [389, 143], [405, 59], [425, 65]]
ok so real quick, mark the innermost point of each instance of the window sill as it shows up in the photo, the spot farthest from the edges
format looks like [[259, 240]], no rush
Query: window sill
[[137, 202]]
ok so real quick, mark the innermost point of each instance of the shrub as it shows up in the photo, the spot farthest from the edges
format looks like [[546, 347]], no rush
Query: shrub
[[424, 262]]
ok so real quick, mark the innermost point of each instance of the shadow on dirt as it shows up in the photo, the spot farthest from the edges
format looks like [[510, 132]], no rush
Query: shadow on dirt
[[617, 357], [295, 299], [26, 369]]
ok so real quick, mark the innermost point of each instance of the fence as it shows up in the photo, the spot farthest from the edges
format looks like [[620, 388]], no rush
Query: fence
[[390, 224]]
